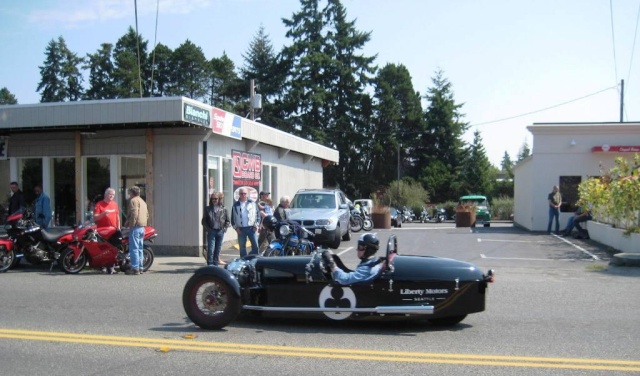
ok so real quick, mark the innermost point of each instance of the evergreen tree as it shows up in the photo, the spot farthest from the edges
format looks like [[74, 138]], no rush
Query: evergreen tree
[[160, 79], [189, 71], [524, 151], [60, 77], [350, 72], [226, 90], [130, 78], [263, 65], [6, 97], [507, 165], [443, 155], [100, 67], [399, 124], [307, 84], [477, 172]]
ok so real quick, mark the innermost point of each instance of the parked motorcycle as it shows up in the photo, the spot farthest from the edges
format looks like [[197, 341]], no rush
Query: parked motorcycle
[[367, 222], [291, 239], [31, 242], [356, 222], [424, 216], [408, 215], [440, 215], [103, 247]]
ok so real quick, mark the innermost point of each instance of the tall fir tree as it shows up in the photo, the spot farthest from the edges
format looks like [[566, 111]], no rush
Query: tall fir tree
[[226, 89], [61, 79], [100, 66], [443, 155], [190, 71], [160, 80], [507, 165], [524, 151], [6, 97], [477, 172], [130, 72]]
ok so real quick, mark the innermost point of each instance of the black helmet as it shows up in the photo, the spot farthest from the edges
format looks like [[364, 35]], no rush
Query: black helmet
[[270, 222], [370, 243]]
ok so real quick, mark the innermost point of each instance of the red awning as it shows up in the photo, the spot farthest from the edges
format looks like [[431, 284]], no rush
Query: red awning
[[618, 149]]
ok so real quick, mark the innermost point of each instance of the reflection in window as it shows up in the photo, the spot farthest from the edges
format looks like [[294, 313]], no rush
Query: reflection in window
[[98, 180], [30, 175], [64, 191], [569, 191]]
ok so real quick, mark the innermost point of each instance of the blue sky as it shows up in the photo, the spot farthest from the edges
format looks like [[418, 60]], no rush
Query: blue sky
[[504, 58]]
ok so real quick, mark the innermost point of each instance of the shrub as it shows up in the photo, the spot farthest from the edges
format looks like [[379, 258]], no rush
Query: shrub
[[502, 208]]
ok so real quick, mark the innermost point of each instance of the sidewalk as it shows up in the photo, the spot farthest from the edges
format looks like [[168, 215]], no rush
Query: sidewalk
[[189, 263]]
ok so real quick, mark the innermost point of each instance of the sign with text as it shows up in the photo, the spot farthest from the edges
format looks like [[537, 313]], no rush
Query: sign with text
[[247, 172], [226, 124], [197, 115], [615, 149]]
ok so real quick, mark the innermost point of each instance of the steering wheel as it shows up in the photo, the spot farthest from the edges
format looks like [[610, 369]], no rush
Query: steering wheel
[[392, 248]]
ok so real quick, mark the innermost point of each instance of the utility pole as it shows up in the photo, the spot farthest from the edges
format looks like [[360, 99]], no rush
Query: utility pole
[[621, 100], [251, 99]]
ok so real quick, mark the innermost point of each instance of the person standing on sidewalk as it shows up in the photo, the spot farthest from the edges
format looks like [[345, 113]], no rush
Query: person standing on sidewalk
[[136, 220], [215, 222], [245, 219], [555, 200]]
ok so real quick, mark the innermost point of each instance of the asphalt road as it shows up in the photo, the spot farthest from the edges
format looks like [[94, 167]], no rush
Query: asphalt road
[[556, 307]]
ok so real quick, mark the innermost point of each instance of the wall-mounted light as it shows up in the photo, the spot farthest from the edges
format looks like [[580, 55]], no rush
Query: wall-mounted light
[[573, 142], [88, 134]]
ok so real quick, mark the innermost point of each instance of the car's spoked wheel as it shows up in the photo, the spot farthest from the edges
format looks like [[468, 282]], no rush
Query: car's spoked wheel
[[210, 302]]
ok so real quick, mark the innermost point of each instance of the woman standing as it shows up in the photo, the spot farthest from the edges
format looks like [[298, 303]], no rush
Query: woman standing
[[215, 222]]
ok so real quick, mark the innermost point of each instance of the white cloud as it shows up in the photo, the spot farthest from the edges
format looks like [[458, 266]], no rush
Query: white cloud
[[71, 14]]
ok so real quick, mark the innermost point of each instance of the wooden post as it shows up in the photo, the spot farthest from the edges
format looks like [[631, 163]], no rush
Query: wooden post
[[79, 173], [148, 173]]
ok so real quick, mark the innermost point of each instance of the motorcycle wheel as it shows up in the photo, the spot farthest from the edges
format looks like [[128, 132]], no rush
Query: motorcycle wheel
[[356, 224], [210, 302], [148, 255], [68, 265], [367, 225], [7, 261]]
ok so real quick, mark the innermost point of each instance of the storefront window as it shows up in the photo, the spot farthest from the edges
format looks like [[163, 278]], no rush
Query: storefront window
[[569, 191], [98, 180], [227, 183], [132, 172], [63, 201], [30, 175]]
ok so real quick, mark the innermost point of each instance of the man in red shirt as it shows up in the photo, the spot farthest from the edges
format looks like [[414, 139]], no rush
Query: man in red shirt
[[106, 213]]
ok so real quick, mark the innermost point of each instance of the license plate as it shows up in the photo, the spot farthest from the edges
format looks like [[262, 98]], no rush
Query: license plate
[[318, 231]]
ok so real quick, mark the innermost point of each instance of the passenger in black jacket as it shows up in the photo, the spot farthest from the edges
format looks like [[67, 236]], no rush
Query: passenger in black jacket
[[16, 202]]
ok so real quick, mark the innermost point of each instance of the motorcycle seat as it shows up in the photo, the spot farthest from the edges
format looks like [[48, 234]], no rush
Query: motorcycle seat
[[52, 234]]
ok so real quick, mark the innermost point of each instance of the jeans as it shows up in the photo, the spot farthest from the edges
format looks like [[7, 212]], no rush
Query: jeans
[[214, 243], [570, 224], [554, 213], [136, 244], [252, 235]]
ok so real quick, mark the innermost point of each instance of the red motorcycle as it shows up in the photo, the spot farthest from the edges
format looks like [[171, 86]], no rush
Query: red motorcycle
[[26, 239], [103, 247]]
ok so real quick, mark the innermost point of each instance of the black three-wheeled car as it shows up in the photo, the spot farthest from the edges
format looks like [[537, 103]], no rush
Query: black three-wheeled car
[[439, 290]]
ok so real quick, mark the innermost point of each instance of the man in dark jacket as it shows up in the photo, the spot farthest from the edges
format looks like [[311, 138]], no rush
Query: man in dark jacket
[[16, 202]]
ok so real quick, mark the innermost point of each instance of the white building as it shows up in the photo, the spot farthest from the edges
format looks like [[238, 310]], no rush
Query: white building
[[566, 154], [174, 148]]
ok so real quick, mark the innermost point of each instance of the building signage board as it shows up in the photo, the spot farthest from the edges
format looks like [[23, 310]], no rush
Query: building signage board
[[226, 124], [615, 149], [247, 171], [4, 147], [198, 115]]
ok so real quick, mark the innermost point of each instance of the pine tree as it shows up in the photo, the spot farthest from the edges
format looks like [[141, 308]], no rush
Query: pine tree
[[101, 69], [130, 78], [160, 78], [507, 165], [443, 155], [60, 77], [477, 170], [6, 97], [189, 71], [524, 151], [226, 90]]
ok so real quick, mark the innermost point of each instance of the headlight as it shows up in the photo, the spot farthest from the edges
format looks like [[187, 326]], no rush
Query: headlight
[[324, 222], [284, 230]]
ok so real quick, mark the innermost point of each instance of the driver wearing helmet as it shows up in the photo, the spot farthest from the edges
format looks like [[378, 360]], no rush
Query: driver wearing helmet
[[368, 268]]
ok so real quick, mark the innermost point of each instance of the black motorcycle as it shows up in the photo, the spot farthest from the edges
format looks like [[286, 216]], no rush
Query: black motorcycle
[[356, 222], [34, 244]]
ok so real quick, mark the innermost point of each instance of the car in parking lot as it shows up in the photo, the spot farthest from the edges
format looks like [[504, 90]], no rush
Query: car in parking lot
[[483, 212], [325, 212]]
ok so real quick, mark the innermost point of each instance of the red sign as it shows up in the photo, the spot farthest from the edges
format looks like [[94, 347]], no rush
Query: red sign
[[247, 172], [616, 149], [218, 120]]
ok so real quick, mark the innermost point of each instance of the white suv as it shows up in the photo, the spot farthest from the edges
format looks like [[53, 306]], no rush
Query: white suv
[[325, 212]]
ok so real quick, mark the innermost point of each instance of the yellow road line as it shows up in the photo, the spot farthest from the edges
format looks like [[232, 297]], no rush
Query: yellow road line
[[329, 353]]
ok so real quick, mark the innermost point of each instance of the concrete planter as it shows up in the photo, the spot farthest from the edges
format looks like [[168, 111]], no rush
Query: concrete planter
[[613, 237]]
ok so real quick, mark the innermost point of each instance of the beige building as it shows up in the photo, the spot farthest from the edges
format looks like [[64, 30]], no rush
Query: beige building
[[175, 149], [566, 154]]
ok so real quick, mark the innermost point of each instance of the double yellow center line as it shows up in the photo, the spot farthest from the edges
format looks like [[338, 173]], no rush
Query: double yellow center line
[[189, 344]]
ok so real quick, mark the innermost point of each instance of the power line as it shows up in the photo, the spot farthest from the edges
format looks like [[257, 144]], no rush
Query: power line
[[543, 109], [633, 47], [613, 40]]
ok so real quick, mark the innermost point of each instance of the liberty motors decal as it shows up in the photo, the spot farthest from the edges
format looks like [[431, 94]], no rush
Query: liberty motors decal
[[337, 297], [423, 295]]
